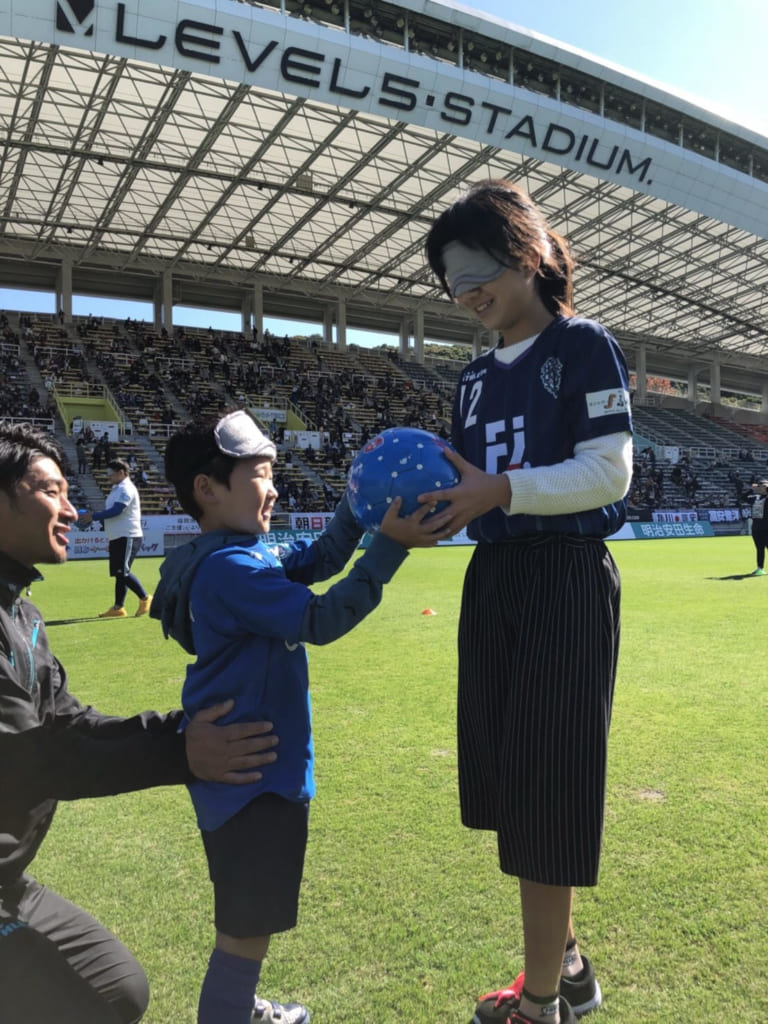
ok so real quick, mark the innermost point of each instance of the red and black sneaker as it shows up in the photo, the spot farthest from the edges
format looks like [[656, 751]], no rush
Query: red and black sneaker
[[495, 1007], [581, 994]]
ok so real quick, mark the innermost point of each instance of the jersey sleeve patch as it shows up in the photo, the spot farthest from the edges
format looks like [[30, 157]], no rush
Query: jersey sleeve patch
[[607, 403]]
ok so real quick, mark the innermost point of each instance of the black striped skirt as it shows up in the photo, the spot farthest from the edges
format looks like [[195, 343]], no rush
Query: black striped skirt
[[538, 646]]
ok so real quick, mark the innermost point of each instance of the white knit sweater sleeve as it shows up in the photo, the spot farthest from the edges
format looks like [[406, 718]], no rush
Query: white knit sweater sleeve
[[598, 474]]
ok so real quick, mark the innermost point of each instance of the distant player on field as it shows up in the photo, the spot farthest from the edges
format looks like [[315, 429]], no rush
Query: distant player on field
[[246, 610], [758, 514], [543, 424], [121, 517]]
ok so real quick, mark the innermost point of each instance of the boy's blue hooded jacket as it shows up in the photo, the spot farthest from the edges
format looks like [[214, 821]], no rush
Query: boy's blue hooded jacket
[[245, 609]]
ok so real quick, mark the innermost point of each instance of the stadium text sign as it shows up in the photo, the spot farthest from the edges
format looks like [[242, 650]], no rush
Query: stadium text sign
[[289, 55], [395, 94]]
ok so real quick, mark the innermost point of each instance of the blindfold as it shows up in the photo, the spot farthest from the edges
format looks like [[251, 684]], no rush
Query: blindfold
[[467, 268]]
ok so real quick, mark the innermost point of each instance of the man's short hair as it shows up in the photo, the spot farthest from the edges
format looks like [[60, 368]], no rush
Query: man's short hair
[[119, 466], [20, 445]]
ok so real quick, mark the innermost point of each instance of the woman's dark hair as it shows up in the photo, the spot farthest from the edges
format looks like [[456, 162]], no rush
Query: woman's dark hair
[[190, 451], [20, 445], [499, 218]]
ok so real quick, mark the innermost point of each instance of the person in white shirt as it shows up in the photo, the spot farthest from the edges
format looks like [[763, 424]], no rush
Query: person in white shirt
[[122, 524]]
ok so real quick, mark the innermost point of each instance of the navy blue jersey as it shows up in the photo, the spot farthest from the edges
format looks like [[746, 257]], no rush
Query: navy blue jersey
[[571, 385]]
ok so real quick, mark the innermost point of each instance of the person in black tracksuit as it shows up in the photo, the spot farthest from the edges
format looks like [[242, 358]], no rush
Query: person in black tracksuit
[[57, 963], [758, 501]]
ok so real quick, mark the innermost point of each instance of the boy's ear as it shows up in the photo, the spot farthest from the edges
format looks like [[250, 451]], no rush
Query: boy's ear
[[203, 491]]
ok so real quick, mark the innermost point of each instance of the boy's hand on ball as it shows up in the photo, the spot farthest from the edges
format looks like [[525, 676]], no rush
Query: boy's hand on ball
[[475, 494], [415, 531]]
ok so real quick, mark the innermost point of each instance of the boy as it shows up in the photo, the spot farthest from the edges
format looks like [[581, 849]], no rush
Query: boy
[[246, 611]]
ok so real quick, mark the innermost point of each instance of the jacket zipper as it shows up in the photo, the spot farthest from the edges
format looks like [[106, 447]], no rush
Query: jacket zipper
[[30, 649]]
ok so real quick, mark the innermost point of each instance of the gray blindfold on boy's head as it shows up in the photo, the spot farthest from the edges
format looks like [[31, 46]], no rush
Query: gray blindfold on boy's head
[[467, 268], [237, 435]]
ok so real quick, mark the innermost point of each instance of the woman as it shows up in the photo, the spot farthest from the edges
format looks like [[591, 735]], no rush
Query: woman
[[543, 431]]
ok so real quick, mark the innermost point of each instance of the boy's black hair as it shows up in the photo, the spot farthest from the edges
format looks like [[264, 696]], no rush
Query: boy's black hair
[[119, 465], [190, 451], [20, 445]]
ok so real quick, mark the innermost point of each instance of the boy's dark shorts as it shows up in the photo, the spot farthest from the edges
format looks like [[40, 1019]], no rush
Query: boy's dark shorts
[[256, 860]]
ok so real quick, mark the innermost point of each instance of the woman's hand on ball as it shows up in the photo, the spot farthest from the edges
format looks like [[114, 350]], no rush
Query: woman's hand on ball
[[475, 494]]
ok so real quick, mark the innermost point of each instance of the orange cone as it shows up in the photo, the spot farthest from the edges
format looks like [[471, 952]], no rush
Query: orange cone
[[428, 611]]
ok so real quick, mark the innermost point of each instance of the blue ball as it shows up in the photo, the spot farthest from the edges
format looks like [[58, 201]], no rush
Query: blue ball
[[401, 462]]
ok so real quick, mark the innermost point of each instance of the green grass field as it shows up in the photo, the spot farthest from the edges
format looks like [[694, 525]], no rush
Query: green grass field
[[405, 916]]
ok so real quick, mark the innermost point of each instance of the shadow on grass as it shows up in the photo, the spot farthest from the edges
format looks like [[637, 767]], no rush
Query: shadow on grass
[[85, 618], [736, 576]]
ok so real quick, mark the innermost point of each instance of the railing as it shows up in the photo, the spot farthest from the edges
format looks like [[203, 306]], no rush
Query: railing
[[68, 389], [116, 406], [744, 454], [656, 399], [163, 430], [35, 421]]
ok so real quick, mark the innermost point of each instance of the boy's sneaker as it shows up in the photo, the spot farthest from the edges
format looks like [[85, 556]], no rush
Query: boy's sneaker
[[114, 613], [265, 1011], [580, 994], [145, 603], [759, 572]]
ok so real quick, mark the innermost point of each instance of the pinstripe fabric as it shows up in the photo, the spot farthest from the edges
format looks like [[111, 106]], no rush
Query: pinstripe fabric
[[538, 644]]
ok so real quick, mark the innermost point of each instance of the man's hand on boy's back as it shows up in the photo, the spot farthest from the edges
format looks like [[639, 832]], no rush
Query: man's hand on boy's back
[[415, 531], [228, 753]]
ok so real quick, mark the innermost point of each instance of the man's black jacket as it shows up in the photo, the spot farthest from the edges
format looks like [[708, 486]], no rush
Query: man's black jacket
[[51, 746]]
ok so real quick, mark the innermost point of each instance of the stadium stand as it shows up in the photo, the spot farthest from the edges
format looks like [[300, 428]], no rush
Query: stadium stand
[[156, 381]]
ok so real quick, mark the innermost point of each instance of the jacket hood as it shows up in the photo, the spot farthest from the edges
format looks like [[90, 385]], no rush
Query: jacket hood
[[170, 602]]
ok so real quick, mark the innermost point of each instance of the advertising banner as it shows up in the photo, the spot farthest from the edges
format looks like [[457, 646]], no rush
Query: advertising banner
[[688, 515], [92, 541], [665, 531], [164, 532]]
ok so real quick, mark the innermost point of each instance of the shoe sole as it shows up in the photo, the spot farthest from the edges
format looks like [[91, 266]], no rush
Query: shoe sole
[[478, 1020], [592, 1004], [304, 1020]]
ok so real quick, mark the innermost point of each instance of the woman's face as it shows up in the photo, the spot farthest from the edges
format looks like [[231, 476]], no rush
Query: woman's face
[[506, 303]]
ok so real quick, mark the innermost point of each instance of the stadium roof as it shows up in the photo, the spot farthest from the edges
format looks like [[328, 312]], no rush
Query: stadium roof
[[307, 145]]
